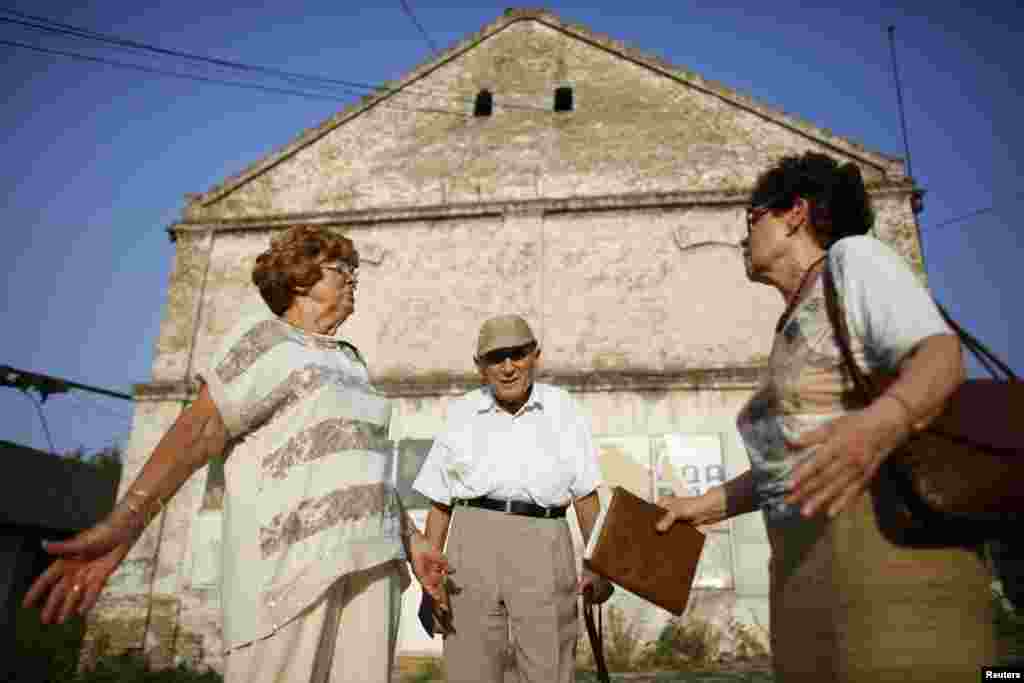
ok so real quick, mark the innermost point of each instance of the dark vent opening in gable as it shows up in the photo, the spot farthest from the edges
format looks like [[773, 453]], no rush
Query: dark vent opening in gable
[[563, 99], [484, 103]]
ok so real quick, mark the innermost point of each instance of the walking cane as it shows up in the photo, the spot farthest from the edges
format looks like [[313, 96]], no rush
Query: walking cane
[[595, 633]]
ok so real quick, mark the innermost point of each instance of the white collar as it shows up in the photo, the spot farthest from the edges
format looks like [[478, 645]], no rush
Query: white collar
[[488, 402]]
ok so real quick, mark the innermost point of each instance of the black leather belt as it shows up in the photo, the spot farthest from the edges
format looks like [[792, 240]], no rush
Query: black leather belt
[[513, 507]]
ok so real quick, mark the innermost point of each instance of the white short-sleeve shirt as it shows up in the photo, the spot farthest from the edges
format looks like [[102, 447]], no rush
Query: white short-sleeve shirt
[[544, 454]]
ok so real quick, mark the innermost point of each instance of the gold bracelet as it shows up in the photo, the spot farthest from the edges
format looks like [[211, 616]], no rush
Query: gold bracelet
[[139, 511]]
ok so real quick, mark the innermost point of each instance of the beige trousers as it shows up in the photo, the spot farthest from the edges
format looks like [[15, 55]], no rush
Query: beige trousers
[[348, 636], [517, 574]]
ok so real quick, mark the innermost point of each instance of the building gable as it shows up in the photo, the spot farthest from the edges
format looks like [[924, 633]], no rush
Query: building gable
[[637, 126]]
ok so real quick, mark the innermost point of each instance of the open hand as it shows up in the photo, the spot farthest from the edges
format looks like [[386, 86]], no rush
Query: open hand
[[72, 584], [848, 452], [429, 565], [431, 569]]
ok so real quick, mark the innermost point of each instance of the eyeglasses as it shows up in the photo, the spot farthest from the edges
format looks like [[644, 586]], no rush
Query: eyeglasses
[[754, 213], [517, 354], [351, 273]]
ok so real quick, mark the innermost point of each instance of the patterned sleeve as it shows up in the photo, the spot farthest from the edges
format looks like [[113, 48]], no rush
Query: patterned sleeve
[[250, 374], [886, 305]]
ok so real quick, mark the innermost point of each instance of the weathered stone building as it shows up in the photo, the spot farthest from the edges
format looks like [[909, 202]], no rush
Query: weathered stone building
[[611, 224]]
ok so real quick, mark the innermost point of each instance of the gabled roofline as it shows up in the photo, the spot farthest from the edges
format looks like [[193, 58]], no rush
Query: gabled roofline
[[891, 166]]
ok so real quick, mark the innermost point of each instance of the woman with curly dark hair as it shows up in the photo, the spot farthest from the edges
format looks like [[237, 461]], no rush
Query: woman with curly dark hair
[[847, 604], [314, 536]]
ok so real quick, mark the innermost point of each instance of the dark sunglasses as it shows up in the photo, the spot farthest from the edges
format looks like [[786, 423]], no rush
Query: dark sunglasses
[[515, 354], [754, 213]]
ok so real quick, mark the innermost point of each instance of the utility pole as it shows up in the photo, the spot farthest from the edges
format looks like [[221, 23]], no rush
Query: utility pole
[[917, 196]]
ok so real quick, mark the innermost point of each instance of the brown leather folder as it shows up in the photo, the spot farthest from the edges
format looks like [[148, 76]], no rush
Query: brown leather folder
[[626, 548]]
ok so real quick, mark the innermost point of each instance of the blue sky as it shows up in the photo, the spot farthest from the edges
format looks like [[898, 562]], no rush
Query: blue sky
[[97, 159]]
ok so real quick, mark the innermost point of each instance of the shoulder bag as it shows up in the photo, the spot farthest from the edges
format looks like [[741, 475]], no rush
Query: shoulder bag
[[959, 480]]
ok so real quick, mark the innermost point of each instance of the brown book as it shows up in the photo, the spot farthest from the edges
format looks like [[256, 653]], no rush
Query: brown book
[[626, 548]]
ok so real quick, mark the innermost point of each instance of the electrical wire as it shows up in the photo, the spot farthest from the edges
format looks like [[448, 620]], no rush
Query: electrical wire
[[98, 408], [42, 419], [217, 81], [972, 214], [43, 24], [57, 28], [415, 21]]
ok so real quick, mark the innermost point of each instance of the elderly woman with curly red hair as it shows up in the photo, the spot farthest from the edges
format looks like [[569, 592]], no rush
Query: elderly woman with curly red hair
[[314, 535]]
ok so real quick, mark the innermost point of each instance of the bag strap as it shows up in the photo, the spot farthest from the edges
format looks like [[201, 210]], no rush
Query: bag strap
[[596, 636], [864, 384], [899, 478], [980, 351]]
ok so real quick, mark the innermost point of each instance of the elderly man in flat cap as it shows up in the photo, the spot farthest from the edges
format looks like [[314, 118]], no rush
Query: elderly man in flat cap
[[514, 454]]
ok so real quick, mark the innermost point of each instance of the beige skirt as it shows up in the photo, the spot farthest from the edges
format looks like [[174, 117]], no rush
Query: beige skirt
[[848, 605], [348, 636]]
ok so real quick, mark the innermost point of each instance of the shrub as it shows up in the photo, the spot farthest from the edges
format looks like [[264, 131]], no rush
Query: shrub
[[133, 669], [683, 644], [748, 644], [622, 643], [431, 669]]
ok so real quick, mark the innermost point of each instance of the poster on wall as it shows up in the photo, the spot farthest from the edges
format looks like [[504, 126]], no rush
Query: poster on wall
[[687, 464], [626, 461]]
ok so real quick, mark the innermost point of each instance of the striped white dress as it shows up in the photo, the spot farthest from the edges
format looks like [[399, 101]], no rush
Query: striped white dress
[[308, 498]]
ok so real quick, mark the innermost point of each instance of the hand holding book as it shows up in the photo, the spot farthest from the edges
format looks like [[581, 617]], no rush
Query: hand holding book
[[626, 547], [709, 508]]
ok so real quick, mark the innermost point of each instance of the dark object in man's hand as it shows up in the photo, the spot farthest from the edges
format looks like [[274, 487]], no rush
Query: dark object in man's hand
[[434, 618]]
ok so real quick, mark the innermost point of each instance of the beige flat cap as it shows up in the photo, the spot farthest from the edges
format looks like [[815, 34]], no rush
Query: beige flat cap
[[503, 332]]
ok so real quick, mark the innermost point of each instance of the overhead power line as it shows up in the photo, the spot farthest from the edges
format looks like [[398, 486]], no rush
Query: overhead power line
[[971, 214], [46, 386], [58, 28], [42, 418], [216, 81], [423, 31], [44, 25], [98, 408]]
